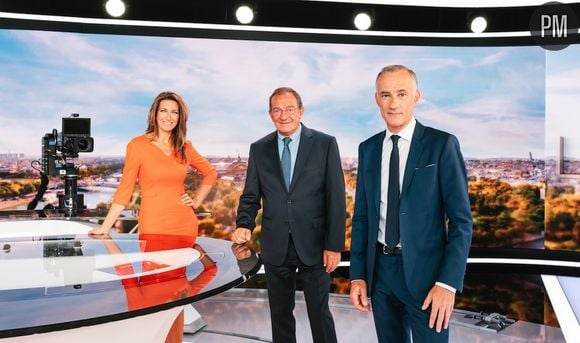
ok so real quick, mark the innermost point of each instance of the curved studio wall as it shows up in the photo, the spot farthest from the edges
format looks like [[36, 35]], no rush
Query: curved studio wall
[[512, 108]]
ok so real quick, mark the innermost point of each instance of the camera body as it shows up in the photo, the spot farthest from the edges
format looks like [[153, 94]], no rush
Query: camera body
[[57, 152], [74, 138]]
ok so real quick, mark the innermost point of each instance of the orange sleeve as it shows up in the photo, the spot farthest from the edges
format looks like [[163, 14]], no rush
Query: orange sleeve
[[130, 173], [201, 164]]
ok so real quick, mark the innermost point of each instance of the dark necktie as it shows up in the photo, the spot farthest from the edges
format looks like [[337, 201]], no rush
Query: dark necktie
[[392, 227], [286, 161]]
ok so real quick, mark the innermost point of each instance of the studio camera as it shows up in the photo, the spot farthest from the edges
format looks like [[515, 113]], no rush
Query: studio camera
[[59, 154], [59, 149]]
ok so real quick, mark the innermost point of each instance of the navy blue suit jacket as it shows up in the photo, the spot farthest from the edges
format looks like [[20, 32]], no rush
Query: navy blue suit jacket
[[434, 212], [313, 210]]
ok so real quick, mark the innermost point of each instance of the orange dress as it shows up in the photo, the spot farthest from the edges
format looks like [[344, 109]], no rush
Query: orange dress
[[161, 180]]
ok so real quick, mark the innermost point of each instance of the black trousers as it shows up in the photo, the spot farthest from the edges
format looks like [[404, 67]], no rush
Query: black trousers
[[281, 283]]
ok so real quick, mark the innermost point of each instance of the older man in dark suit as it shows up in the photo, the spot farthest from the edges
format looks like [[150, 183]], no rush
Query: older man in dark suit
[[412, 224], [296, 174]]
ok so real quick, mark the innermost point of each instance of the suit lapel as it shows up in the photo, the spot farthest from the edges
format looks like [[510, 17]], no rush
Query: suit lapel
[[271, 149], [415, 152], [306, 143], [375, 159]]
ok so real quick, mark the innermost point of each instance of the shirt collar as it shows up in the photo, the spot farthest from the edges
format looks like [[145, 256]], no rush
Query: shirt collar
[[294, 136], [407, 132]]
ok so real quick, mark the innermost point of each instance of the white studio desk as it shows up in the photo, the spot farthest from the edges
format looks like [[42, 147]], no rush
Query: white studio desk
[[59, 284]]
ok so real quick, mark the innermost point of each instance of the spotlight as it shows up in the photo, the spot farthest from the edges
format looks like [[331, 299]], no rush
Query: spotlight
[[115, 8], [478, 24], [245, 14], [362, 21]]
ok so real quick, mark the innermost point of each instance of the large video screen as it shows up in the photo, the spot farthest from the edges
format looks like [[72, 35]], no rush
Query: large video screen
[[508, 106]]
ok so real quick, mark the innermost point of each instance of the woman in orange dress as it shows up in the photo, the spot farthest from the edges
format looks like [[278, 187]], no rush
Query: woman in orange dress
[[159, 160]]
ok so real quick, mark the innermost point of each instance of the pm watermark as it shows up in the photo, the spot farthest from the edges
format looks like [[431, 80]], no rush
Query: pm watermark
[[554, 26]]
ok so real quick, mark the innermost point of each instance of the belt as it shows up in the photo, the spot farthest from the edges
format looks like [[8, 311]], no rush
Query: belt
[[389, 251]]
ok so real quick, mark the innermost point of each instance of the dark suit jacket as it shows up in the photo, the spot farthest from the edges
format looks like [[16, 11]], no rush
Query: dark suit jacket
[[314, 208], [434, 212]]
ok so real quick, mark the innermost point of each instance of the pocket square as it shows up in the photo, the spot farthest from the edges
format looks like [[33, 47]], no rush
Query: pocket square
[[427, 166]]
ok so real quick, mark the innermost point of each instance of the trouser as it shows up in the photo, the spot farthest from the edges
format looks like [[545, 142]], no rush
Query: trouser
[[398, 315], [281, 283]]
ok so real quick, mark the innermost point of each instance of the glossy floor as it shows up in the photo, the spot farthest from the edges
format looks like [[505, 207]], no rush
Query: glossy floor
[[241, 315]]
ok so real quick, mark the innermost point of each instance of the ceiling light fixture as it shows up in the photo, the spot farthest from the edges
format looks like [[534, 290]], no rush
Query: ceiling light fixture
[[245, 14], [478, 24], [362, 21], [115, 8]]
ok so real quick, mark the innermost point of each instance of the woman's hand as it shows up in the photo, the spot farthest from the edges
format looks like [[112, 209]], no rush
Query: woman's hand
[[188, 201]]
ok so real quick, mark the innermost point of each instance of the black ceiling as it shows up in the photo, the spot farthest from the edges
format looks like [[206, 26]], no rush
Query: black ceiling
[[291, 13]]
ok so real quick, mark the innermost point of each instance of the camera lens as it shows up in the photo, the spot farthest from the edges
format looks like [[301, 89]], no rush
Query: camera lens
[[82, 144]]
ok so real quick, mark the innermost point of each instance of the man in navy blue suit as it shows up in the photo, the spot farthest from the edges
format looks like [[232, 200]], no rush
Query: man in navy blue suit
[[411, 229]]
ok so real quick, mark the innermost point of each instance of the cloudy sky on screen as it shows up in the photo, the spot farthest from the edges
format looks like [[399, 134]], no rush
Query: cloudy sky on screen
[[563, 101], [492, 98]]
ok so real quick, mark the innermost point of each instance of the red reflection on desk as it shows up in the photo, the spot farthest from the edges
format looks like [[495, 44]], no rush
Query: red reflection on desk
[[163, 287]]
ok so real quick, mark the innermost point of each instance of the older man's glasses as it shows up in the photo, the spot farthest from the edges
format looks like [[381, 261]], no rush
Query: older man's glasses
[[290, 110]]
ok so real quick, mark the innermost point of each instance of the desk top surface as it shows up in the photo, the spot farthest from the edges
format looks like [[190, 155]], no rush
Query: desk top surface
[[55, 277]]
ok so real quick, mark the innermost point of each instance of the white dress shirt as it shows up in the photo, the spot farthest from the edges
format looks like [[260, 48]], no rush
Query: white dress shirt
[[293, 146], [404, 144]]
